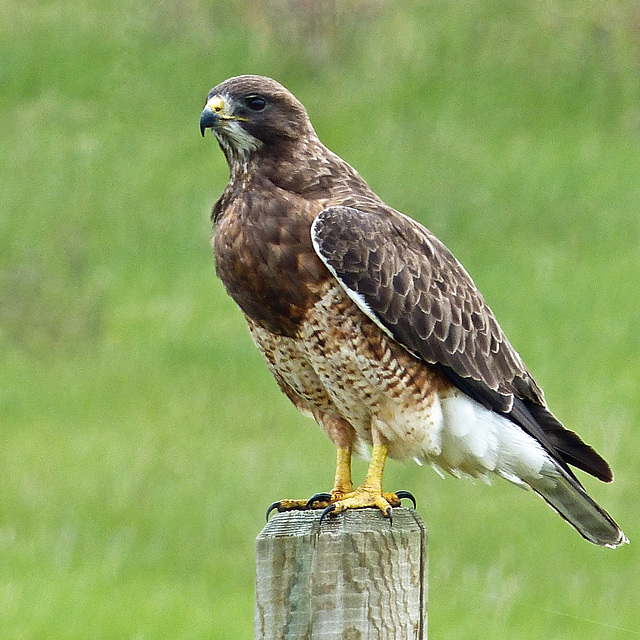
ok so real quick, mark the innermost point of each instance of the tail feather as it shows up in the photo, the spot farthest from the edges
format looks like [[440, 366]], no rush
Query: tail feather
[[570, 447], [567, 496], [476, 440]]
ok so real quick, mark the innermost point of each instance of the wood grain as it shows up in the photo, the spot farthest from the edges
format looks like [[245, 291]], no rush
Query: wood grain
[[354, 577]]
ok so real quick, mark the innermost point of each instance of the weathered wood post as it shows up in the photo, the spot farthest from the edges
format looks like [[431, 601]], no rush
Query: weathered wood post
[[355, 577]]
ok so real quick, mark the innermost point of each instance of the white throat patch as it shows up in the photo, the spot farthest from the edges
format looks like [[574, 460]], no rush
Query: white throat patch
[[232, 135]]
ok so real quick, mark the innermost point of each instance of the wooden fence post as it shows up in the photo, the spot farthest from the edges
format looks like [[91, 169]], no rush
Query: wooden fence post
[[354, 577]]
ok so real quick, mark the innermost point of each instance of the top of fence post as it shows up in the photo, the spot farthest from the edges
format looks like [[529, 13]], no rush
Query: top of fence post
[[356, 576]]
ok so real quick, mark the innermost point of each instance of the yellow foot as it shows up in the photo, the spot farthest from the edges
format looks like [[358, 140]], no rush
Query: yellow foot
[[364, 497], [317, 501], [338, 501], [287, 505]]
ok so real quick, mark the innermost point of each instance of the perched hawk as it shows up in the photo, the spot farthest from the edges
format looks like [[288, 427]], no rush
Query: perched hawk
[[370, 325]]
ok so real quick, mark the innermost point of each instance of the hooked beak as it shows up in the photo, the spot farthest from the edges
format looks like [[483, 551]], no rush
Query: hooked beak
[[216, 112], [208, 119]]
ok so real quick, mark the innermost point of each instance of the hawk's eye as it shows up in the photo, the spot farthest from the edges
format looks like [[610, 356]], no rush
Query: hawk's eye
[[255, 103]]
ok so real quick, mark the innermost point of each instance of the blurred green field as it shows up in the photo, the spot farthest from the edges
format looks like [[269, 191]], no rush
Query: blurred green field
[[141, 437]]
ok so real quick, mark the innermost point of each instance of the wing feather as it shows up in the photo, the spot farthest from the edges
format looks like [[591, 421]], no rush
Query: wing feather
[[410, 285], [420, 293]]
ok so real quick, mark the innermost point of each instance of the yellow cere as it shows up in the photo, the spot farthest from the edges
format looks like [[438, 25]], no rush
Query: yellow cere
[[216, 104]]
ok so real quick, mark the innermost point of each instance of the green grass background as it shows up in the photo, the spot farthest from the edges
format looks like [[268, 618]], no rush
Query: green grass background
[[141, 436]]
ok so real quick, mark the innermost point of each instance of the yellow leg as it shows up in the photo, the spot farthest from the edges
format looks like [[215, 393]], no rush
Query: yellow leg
[[343, 483], [373, 481], [343, 496], [369, 494]]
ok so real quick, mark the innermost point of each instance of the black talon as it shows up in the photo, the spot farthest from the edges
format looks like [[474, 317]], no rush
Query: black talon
[[389, 514], [408, 495], [318, 497], [326, 512], [273, 507]]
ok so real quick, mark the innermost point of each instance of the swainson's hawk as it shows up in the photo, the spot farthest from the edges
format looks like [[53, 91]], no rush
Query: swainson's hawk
[[370, 325]]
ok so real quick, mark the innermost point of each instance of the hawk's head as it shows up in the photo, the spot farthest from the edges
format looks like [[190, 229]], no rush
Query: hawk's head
[[247, 113]]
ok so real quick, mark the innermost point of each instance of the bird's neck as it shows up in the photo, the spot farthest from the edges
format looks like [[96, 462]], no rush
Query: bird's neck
[[312, 171], [238, 161]]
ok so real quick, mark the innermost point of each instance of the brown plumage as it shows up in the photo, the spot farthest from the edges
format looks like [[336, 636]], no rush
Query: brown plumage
[[370, 325]]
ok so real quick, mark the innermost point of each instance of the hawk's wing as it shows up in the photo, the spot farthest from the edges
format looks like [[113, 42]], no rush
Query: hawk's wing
[[404, 279]]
